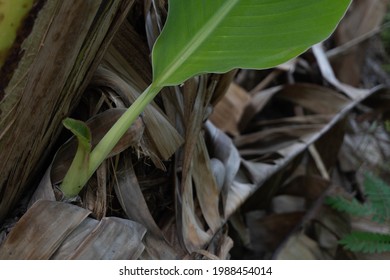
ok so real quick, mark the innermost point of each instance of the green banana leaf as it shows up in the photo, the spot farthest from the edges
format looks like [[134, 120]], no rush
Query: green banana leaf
[[215, 36]]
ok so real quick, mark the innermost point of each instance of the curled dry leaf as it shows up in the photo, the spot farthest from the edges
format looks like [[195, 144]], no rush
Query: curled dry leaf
[[239, 191], [219, 172], [329, 75], [221, 148]]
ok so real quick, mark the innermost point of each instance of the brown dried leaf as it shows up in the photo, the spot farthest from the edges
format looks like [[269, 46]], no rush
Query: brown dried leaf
[[128, 56], [314, 98], [44, 190], [222, 84], [40, 231], [56, 230], [218, 248], [227, 113], [206, 187], [256, 104], [308, 187], [196, 99], [300, 247], [193, 231], [290, 121], [131, 198], [266, 233], [275, 140], [95, 195], [363, 17], [69, 246], [112, 239], [133, 203], [159, 249]]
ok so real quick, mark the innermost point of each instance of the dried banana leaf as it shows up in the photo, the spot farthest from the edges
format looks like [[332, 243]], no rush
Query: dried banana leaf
[[47, 223], [52, 71], [56, 230]]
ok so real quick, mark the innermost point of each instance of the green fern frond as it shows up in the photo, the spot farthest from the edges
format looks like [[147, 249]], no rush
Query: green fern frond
[[378, 193], [378, 207], [366, 242], [352, 207]]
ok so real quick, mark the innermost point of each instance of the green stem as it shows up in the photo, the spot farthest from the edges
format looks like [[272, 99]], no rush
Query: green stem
[[112, 137]]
